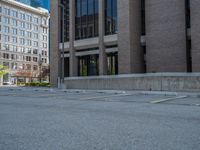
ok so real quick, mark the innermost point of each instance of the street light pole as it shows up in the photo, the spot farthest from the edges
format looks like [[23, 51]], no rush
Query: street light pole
[[63, 44], [40, 65]]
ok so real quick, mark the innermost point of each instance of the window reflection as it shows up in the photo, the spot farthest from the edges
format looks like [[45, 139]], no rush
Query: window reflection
[[110, 17], [88, 65], [66, 21], [112, 63], [86, 18]]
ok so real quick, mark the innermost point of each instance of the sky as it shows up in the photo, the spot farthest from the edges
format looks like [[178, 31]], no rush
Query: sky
[[43, 3], [46, 4]]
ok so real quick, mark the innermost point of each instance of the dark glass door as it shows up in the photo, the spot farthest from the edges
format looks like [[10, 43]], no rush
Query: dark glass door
[[66, 67], [112, 63]]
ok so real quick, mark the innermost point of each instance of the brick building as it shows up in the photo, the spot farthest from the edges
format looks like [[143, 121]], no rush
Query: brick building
[[108, 37]]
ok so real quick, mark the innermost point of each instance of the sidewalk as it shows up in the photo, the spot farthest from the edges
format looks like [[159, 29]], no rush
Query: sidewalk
[[46, 89]]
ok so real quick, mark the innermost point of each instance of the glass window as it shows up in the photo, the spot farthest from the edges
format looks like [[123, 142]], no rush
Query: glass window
[[35, 51], [13, 65], [66, 21], [22, 49], [44, 38], [35, 44], [112, 63], [86, 18], [22, 41], [14, 13], [6, 47], [28, 34], [35, 67], [6, 29], [14, 39], [22, 33], [88, 65], [28, 26], [35, 59], [28, 50], [6, 38], [44, 45], [22, 24], [35, 28], [35, 20], [28, 67], [14, 48], [22, 16], [14, 31], [28, 42], [14, 22], [6, 20], [44, 30], [7, 11], [110, 17], [35, 35], [66, 67], [6, 56], [28, 18]]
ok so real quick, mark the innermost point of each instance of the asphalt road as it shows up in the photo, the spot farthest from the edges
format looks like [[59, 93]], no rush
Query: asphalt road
[[90, 120]]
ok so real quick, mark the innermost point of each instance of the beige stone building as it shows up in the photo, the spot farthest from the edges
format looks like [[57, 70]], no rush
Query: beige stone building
[[109, 37], [24, 41]]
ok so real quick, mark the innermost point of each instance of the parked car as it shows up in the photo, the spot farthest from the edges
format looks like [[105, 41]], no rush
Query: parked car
[[7, 83]]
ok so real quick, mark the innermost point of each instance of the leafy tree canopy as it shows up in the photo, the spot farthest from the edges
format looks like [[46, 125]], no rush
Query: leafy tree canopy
[[3, 70]]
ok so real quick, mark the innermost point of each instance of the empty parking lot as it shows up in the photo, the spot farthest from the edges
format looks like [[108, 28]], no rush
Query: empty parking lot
[[51, 119]]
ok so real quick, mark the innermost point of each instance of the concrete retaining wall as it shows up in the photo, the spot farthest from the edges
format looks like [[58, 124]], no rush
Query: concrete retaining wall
[[153, 82]]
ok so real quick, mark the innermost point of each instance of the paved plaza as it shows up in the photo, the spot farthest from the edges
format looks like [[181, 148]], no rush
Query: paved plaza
[[52, 119]]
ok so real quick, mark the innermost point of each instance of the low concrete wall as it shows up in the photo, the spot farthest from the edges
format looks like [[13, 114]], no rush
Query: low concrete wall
[[150, 81]]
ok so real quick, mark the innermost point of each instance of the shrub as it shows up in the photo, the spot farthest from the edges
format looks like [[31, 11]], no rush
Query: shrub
[[21, 83], [38, 84]]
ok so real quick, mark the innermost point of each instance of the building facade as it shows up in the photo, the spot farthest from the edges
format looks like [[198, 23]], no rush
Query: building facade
[[109, 37], [24, 41]]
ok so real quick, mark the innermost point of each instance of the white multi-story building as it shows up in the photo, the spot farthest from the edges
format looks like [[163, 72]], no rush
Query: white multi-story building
[[24, 41]]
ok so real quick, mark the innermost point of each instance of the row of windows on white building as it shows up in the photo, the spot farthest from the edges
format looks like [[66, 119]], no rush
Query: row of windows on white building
[[21, 41], [20, 66], [20, 49], [21, 24], [6, 28], [16, 57], [22, 15], [23, 33]]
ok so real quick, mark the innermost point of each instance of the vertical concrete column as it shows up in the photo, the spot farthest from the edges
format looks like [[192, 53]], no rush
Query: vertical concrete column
[[165, 36], [73, 59], [129, 31], [195, 34], [102, 53], [54, 40]]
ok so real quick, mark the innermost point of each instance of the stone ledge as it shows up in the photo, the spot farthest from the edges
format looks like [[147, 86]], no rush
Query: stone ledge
[[151, 82]]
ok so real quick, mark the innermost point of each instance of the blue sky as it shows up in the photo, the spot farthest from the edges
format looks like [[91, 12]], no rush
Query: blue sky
[[43, 3], [46, 4]]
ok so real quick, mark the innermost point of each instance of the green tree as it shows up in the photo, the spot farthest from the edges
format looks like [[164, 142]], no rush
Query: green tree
[[3, 70]]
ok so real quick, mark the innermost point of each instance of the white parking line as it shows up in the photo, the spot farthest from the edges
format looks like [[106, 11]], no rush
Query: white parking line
[[98, 97], [167, 99]]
